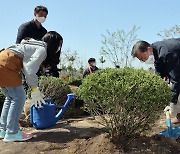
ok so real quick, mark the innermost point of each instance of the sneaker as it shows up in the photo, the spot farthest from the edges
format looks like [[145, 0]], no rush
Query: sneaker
[[2, 133], [20, 136]]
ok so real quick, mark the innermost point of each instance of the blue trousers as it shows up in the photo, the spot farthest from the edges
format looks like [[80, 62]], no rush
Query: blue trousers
[[12, 108]]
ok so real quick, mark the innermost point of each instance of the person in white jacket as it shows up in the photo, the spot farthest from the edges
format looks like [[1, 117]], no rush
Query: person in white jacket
[[26, 56]]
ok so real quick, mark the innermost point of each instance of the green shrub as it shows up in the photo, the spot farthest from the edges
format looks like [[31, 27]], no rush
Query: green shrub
[[128, 100], [57, 90], [77, 82], [2, 97]]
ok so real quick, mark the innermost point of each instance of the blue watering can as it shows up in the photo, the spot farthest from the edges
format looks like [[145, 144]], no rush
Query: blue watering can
[[46, 117]]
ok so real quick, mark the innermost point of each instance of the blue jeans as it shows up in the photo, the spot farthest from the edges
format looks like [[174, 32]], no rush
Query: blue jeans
[[12, 108]]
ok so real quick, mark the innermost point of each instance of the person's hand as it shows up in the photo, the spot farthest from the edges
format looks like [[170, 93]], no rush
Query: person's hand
[[37, 98], [172, 108]]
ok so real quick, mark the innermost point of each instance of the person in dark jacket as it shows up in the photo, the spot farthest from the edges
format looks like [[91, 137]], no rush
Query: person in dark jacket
[[92, 67], [165, 55], [34, 29]]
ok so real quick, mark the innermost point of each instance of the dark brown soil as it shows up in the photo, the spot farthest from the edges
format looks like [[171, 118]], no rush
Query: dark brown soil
[[86, 136]]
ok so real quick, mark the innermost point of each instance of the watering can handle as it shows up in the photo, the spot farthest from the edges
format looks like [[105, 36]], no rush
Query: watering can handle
[[48, 100], [167, 114], [168, 119], [31, 120], [63, 108]]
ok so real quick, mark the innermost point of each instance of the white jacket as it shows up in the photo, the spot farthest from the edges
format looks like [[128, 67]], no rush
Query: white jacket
[[34, 53]]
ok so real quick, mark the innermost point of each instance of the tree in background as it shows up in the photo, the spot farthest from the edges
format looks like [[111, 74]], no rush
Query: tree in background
[[102, 61], [170, 33], [71, 65], [117, 46]]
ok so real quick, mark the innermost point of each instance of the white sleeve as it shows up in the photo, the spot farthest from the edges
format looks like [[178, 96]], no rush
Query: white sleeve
[[31, 65]]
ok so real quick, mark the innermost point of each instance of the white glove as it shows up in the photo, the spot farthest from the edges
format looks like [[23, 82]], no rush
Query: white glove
[[37, 98], [172, 108]]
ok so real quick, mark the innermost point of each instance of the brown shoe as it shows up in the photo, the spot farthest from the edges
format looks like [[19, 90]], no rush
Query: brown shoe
[[176, 120]]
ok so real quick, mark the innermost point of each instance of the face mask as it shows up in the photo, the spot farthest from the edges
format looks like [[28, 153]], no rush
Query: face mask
[[41, 19], [93, 64], [150, 60]]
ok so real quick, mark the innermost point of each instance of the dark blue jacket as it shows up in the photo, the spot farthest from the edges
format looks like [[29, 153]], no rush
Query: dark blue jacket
[[167, 63], [30, 30], [87, 71]]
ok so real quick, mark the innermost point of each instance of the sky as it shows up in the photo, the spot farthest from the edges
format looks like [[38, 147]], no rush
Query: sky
[[82, 22]]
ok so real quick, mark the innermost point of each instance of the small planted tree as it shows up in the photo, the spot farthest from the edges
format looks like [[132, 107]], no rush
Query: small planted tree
[[170, 33], [72, 66], [102, 61], [129, 101], [116, 46]]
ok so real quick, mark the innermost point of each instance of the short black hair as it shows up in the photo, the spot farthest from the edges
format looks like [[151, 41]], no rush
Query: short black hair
[[91, 60], [139, 46], [40, 8]]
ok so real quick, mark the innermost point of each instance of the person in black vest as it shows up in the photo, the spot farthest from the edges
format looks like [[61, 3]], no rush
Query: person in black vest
[[165, 55], [34, 29], [92, 67]]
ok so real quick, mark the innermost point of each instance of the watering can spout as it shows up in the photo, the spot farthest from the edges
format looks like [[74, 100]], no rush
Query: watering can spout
[[63, 108]]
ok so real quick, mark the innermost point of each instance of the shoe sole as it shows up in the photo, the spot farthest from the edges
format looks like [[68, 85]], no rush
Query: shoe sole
[[1, 137], [16, 140]]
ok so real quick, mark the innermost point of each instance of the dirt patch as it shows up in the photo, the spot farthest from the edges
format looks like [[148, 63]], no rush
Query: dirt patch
[[86, 136]]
